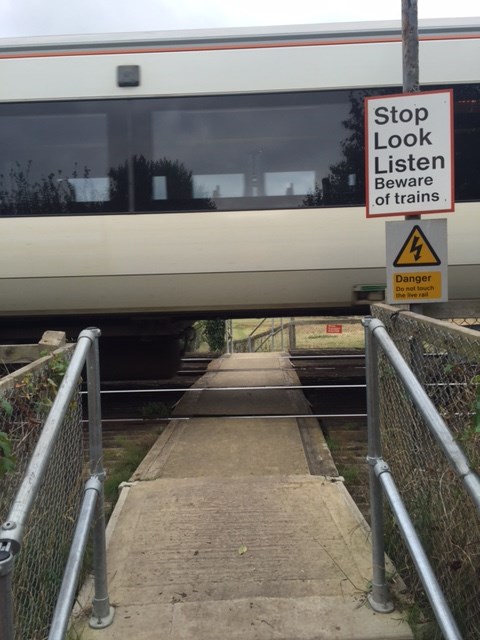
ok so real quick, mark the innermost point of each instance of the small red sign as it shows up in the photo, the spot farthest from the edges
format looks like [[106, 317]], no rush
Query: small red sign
[[334, 328]]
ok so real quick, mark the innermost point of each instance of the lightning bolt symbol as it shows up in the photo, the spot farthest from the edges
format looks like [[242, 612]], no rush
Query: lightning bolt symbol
[[416, 248]]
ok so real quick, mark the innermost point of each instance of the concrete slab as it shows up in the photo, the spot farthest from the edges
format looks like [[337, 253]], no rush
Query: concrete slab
[[227, 536], [327, 618], [237, 403], [251, 361], [227, 447], [271, 557], [242, 378], [311, 618], [245, 370]]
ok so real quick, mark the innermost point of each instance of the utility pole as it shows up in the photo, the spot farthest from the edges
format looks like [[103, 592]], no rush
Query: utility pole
[[411, 76], [410, 46]]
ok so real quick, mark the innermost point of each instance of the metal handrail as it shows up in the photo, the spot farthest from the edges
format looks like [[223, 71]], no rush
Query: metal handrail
[[381, 479], [12, 531]]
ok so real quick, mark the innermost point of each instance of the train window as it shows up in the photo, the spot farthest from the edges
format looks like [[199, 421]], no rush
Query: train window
[[56, 158], [219, 185], [467, 142], [232, 152], [90, 189], [244, 152], [289, 183]]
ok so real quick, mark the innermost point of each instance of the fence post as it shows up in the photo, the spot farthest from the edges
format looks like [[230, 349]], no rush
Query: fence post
[[292, 335], [379, 598], [102, 613], [6, 596]]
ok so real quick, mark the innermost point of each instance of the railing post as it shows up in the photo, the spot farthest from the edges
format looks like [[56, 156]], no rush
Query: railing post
[[229, 336], [6, 596], [292, 335], [102, 613], [379, 598]]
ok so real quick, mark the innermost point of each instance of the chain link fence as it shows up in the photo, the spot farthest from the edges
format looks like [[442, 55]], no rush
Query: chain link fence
[[446, 360], [470, 323], [25, 400]]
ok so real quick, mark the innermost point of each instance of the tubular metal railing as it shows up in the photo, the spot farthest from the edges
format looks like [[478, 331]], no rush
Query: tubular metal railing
[[92, 508], [381, 480]]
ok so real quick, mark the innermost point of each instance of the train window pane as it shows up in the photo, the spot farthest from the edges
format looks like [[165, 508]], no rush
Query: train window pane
[[289, 183], [249, 151], [159, 188], [227, 185], [467, 142], [90, 189], [55, 159]]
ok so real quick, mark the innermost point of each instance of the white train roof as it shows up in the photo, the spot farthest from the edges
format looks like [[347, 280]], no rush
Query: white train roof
[[350, 31]]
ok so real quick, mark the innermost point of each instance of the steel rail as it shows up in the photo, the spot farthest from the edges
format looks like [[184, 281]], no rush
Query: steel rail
[[265, 388], [237, 417]]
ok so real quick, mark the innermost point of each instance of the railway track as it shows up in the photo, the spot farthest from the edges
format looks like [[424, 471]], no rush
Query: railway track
[[333, 383]]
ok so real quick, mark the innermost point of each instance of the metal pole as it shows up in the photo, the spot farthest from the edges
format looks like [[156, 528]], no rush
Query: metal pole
[[432, 588], [66, 594], [410, 46], [13, 528], [6, 596], [292, 337], [379, 598], [411, 73], [102, 613], [94, 408], [229, 335], [427, 410]]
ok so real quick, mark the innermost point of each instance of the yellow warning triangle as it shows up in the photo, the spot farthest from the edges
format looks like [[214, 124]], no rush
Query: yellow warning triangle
[[416, 251]]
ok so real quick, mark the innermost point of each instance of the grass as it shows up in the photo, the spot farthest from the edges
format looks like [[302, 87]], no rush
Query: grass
[[121, 462], [310, 333], [351, 474]]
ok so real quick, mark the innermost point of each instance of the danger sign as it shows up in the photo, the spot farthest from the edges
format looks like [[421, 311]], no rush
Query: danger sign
[[417, 261], [417, 251], [409, 147]]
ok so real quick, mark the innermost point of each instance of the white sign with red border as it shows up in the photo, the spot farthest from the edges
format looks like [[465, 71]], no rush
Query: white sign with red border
[[409, 154]]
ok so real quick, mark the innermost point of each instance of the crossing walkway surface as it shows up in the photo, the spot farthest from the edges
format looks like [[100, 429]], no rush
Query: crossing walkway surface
[[240, 528]]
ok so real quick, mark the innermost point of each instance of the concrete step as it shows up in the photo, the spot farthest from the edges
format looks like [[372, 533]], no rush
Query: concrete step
[[209, 558]]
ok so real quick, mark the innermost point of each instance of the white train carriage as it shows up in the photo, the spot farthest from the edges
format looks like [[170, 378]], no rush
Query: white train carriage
[[152, 178]]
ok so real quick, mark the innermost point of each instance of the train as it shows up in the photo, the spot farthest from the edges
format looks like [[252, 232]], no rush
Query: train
[[148, 180]]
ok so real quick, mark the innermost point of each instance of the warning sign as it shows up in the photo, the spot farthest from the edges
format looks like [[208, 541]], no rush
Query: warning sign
[[417, 287], [417, 250], [417, 261], [409, 153], [334, 328]]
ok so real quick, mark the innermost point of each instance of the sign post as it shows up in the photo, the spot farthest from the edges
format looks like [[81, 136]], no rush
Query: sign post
[[409, 172]]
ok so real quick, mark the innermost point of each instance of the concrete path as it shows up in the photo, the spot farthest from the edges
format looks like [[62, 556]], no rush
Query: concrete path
[[234, 528]]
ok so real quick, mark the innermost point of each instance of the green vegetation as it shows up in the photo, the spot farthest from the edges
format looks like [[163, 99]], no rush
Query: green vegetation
[[155, 410], [122, 461], [213, 333], [274, 334], [7, 460], [350, 473]]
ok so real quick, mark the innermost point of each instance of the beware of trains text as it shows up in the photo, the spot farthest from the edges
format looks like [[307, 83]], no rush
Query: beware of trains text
[[409, 154]]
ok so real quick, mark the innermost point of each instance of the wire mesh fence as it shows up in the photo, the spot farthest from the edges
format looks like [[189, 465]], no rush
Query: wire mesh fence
[[446, 360], [25, 400]]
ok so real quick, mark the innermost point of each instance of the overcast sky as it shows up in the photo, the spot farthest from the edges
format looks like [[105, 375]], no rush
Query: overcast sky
[[50, 17]]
